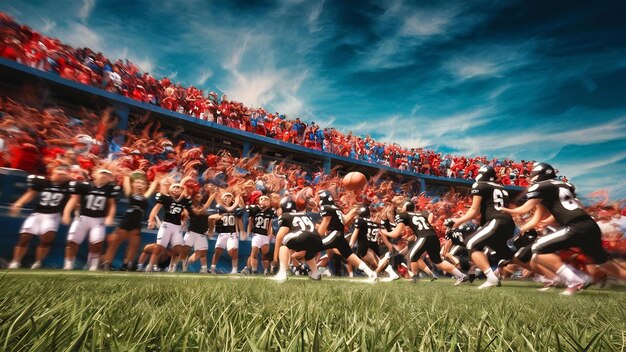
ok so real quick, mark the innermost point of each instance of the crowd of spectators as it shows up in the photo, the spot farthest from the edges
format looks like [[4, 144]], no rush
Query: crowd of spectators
[[22, 44], [38, 139]]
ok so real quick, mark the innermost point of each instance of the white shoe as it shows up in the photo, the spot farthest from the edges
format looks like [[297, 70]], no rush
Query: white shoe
[[68, 266], [213, 270], [315, 277], [140, 267], [390, 278], [14, 265], [372, 280], [280, 277], [462, 279], [234, 271], [93, 268], [36, 265], [488, 284]]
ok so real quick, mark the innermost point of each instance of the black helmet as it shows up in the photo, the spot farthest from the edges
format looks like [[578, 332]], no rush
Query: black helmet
[[486, 173], [364, 212], [326, 198], [408, 206], [542, 172], [468, 228], [288, 205]]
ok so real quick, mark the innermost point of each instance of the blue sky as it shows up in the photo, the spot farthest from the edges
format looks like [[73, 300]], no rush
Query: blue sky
[[530, 80]]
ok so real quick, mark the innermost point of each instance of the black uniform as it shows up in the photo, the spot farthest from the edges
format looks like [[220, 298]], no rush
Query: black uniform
[[172, 208], [335, 237], [198, 223], [228, 222], [427, 240], [137, 207], [367, 236], [261, 219], [580, 228], [52, 196], [301, 235], [496, 227], [94, 201]]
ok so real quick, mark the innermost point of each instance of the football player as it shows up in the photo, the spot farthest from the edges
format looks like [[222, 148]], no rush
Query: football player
[[332, 228], [497, 227], [427, 241], [97, 209], [226, 226], [44, 221], [137, 191], [173, 204], [550, 196], [260, 227], [196, 235], [296, 233]]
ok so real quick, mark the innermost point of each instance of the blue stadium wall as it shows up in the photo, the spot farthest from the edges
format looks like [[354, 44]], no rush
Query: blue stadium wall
[[14, 76]]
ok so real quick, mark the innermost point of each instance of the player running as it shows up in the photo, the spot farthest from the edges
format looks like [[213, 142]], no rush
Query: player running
[[332, 227], [427, 241], [43, 222], [497, 227], [548, 196]]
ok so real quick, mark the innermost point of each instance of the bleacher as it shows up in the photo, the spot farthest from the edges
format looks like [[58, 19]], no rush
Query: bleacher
[[72, 96]]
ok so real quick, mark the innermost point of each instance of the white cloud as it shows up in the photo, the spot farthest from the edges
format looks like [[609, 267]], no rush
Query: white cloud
[[146, 63], [489, 60], [313, 18], [86, 9], [204, 76], [79, 35]]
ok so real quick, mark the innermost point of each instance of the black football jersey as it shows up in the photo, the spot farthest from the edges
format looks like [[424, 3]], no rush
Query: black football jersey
[[228, 222], [172, 209], [494, 198], [387, 225], [94, 201], [296, 222], [52, 196], [559, 198], [261, 219], [368, 229], [336, 218], [198, 223], [417, 222], [137, 202]]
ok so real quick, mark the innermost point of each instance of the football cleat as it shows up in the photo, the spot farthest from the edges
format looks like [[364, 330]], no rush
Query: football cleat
[[489, 284], [14, 265], [461, 280]]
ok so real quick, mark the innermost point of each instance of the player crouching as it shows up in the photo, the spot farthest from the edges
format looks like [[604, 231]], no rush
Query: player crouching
[[296, 233]]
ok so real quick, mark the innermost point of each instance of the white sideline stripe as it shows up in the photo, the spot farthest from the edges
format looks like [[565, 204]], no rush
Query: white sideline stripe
[[59, 272], [550, 238], [481, 233]]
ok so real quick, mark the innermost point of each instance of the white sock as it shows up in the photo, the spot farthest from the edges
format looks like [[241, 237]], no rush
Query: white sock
[[390, 271], [490, 275], [457, 273], [235, 265], [69, 263], [568, 275], [93, 265], [366, 269]]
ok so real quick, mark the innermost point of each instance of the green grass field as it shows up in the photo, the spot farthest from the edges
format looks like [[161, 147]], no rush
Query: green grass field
[[59, 311]]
